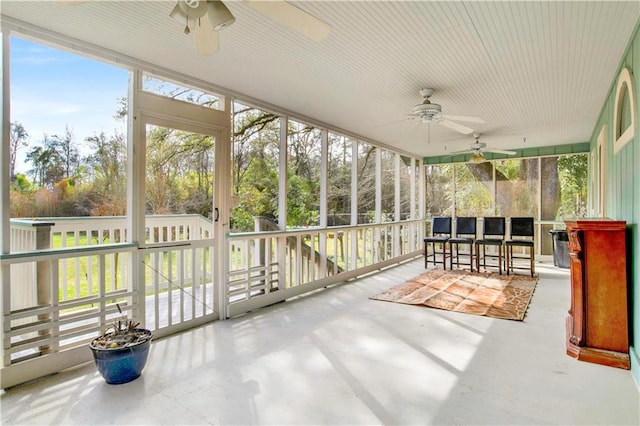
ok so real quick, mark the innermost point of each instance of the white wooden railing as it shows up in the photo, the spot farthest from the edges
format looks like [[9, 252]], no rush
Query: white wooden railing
[[67, 274], [268, 267]]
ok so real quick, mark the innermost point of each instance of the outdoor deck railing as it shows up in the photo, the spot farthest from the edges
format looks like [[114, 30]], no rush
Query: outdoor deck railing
[[268, 267], [66, 276]]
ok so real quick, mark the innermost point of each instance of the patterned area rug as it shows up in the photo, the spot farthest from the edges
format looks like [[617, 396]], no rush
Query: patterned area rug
[[489, 294]]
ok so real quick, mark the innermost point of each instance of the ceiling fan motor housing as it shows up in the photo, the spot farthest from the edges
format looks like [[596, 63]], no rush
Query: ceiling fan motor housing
[[193, 9], [427, 111]]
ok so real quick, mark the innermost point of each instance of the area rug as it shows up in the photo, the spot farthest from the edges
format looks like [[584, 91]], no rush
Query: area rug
[[488, 294]]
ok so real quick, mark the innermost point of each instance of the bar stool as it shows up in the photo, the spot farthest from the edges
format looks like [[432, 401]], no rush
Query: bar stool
[[522, 229], [440, 234], [492, 227], [465, 235]]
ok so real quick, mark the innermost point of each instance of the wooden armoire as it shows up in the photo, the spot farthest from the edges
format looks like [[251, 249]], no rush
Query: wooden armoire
[[597, 325]]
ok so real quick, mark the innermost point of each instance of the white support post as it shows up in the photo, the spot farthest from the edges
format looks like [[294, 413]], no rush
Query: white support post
[[353, 259], [396, 187], [5, 211], [413, 170], [422, 188], [222, 198], [538, 244], [136, 146], [494, 205], [396, 207], [282, 205], [282, 187], [5, 127], [378, 203], [324, 159], [453, 199], [377, 247], [422, 201]]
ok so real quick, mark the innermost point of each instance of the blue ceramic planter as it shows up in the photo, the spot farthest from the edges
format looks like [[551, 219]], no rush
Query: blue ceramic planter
[[122, 365]]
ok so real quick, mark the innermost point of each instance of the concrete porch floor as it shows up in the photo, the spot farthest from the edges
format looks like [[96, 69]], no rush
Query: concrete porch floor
[[336, 357]]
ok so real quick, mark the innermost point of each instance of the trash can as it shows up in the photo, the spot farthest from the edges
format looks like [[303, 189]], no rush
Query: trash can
[[560, 248]]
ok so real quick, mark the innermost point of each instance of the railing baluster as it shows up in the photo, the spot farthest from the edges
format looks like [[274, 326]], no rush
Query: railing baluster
[[194, 280], [185, 272], [155, 280]]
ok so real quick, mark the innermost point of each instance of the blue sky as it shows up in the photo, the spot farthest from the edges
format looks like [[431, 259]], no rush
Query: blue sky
[[51, 89]]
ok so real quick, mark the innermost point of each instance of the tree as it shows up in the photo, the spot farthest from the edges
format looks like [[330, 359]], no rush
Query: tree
[[550, 188], [47, 162], [303, 175], [439, 192], [54, 159], [18, 138], [339, 180], [255, 166], [68, 152], [366, 182], [573, 170], [107, 169]]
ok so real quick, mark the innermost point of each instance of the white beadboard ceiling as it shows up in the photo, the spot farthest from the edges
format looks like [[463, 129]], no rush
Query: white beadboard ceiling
[[534, 70]]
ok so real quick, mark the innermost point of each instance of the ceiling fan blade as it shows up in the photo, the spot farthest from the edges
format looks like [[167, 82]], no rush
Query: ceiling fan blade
[[219, 15], [288, 15], [464, 151], [455, 126], [462, 118], [500, 151], [177, 13], [206, 38]]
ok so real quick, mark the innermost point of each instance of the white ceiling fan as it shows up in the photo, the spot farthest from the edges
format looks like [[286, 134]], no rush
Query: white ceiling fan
[[207, 17], [477, 148], [427, 112]]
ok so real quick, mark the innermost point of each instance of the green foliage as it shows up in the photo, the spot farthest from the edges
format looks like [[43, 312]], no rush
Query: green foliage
[[303, 175], [302, 209], [472, 197], [439, 193], [179, 172], [562, 182], [104, 193], [22, 184], [366, 182], [255, 166], [339, 180], [573, 171]]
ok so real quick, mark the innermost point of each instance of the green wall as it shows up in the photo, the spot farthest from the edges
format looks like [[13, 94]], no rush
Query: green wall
[[623, 188]]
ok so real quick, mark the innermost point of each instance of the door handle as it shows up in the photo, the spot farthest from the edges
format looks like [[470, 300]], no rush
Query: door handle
[[216, 215]]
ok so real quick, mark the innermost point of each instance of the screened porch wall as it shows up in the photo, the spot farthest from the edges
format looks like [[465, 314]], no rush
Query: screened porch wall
[[546, 188], [157, 266]]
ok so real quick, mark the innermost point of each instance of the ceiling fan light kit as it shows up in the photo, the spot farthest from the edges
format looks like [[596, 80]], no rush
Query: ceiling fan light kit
[[477, 158], [206, 18], [477, 148], [217, 13], [428, 111]]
